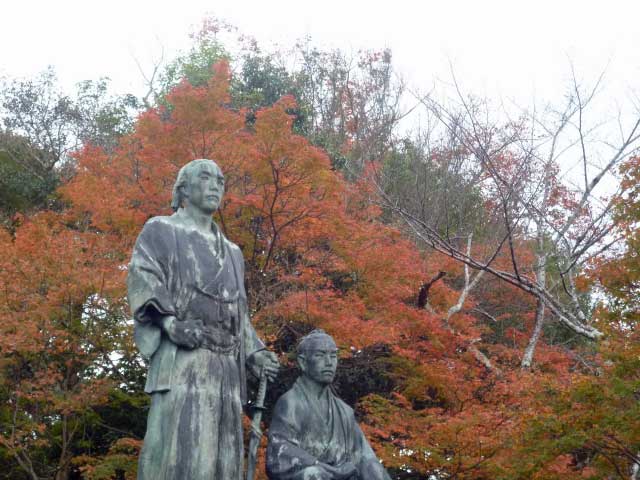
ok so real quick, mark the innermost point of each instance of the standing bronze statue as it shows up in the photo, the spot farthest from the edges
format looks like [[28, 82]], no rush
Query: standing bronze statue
[[186, 292], [313, 434]]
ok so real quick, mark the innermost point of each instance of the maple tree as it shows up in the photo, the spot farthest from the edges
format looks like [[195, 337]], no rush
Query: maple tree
[[57, 336]]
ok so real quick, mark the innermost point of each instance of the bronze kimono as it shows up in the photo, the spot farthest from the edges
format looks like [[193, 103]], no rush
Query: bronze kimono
[[194, 428]]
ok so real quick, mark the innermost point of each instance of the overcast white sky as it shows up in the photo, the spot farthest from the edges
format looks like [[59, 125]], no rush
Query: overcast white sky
[[507, 50], [512, 47]]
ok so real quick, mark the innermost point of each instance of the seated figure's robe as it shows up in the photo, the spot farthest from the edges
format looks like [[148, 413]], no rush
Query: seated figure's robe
[[302, 434], [194, 427]]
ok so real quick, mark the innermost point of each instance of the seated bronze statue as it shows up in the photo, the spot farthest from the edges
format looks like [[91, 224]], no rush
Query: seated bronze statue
[[313, 434]]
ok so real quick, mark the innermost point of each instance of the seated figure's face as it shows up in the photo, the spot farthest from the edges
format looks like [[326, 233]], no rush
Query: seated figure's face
[[321, 365], [319, 360]]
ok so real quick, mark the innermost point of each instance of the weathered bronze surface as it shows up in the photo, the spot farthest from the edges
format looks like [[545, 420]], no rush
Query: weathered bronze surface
[[313, 434], [186, 292]]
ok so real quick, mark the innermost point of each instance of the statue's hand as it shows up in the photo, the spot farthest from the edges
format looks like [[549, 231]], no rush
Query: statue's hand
[[317, 472], [341, 472], [266, 359], [186, 334]]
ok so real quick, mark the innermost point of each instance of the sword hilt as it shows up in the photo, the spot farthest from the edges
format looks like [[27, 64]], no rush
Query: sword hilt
[[262, 390]]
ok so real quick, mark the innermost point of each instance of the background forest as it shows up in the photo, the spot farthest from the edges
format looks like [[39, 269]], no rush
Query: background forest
[[486, 306]]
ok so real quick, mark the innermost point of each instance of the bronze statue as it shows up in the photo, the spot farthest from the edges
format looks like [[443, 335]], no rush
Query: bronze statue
[[186, 292], [313, 434]]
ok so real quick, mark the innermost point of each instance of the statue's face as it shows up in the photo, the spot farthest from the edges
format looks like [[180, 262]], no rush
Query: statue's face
[[205, 187], [320, 363]]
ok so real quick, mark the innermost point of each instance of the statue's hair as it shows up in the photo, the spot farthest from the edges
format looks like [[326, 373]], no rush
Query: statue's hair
[[184, 175], [306, 341]]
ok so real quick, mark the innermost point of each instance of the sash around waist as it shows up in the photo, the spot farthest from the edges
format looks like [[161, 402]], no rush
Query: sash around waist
[[219, 341]]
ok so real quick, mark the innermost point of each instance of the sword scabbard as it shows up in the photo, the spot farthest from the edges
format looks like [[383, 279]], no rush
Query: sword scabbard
[[256, 433]]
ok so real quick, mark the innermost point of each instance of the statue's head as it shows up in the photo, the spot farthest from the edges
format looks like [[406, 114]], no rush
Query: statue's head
[[201, 184], [318, 357]]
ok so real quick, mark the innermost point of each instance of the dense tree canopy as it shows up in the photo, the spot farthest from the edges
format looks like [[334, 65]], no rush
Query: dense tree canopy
[[432, 348]]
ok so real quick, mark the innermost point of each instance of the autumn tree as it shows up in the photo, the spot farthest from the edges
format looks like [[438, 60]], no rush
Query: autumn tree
[[65, 341], [63, 323], [42, 126], [586, 425], [347, 104], [512, 166]]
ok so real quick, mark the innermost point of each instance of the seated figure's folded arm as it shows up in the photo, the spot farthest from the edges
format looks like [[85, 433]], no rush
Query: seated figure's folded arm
[[286, 460]]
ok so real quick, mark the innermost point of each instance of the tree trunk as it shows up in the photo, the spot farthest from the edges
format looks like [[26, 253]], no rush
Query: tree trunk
[[63, 473], [63, 465], [635, 469], [27, 466], [541, 278], [527, 359], [468, 286]]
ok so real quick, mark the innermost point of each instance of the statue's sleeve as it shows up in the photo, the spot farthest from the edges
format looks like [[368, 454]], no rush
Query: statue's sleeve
[[286, 459], [368, 464], [147, 284], [251, 339], [252, 342]]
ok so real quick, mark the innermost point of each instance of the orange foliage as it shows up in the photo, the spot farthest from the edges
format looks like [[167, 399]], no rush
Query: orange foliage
[[317, 254]]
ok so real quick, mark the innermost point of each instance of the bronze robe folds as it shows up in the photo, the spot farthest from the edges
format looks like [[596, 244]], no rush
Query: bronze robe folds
[[301, 434], [194, 428]]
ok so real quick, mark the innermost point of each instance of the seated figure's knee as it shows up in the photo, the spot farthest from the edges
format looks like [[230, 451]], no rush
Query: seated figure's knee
[[315, 473]]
